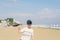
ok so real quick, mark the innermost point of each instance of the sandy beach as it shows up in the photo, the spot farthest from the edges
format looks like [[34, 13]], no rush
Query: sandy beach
[[11, 33]]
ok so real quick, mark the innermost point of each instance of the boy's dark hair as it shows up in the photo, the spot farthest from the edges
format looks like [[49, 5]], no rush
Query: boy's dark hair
[[29, 22]]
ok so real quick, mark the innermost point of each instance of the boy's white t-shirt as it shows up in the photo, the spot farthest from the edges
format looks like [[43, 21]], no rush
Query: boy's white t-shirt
[[26, 33]]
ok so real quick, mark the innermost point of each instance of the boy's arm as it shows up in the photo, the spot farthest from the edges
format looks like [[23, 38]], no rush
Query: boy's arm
[[19, 28], [32, 37], [19, 31]]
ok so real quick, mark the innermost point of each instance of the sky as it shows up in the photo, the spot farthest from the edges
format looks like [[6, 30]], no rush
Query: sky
[[39, 11]]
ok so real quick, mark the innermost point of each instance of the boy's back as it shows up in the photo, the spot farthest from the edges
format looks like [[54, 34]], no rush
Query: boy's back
[[26, 33]]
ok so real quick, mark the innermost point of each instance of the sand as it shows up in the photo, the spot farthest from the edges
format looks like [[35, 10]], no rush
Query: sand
[[11, 33]]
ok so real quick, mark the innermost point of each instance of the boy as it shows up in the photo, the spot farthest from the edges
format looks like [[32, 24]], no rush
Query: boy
[[27, 32]]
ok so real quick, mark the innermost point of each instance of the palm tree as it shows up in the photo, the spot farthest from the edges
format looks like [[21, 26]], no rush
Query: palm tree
[[10, 21], [0, 21]]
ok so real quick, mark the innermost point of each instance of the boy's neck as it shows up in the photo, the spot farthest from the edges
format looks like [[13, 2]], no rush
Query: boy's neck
[[29, 27]]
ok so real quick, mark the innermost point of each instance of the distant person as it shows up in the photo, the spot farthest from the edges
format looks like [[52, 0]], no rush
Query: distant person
[[27, 32]]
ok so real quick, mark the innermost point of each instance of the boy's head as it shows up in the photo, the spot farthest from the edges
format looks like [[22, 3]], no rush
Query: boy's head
[[29, 23]]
